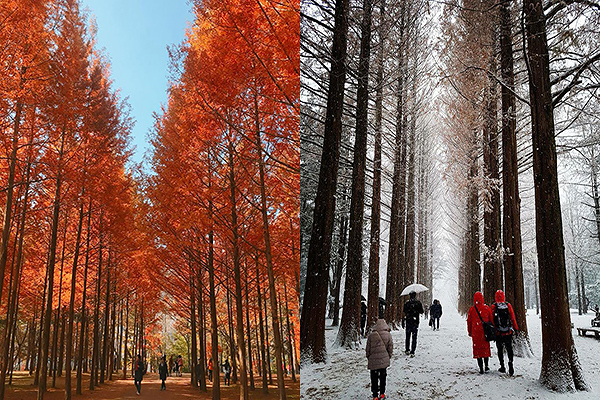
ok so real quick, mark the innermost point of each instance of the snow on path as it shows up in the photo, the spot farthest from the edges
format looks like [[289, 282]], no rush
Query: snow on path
[[444, 368]]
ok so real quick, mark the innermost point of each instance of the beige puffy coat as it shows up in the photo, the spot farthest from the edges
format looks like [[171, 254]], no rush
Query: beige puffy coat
[[379, 346]]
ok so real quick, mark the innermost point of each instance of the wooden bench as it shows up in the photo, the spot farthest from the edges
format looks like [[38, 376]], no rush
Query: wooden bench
[[584, 331]]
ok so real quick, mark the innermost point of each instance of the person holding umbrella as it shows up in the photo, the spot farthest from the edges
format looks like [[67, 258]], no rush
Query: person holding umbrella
[[410, 321]]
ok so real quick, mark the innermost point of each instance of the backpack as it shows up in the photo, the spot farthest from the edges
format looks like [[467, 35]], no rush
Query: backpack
[[502, 318]]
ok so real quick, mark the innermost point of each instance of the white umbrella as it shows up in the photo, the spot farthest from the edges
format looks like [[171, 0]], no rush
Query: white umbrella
[[414, 287]]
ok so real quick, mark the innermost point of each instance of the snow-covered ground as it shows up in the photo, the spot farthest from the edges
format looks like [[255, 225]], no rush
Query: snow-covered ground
[[444, 368]]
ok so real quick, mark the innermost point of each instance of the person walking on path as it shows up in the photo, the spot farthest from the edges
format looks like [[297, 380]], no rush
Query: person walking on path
[[363, 317], [171, 365], [506, 325], [436, 313], [227, 371], [379, 351], [162, 372], [180, 365], [210, 369], [478, 314], [138, 373], [412, 312]]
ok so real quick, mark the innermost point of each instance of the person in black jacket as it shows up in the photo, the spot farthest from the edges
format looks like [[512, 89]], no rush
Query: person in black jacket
[[363, 317], [162, 372], [412, 311], [138, 373], [436, 312]]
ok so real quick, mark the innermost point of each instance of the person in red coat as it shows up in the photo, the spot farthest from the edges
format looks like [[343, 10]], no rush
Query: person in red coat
[[481, 347], [506, 325]]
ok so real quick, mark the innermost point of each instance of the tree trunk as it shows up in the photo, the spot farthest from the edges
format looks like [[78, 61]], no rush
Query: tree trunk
[[265, 386], [51, 262], [492, 262], [312, 323], [72, 301], [103, 359], [373, 285], [561, 370], [53, 358], [95, 350], [194, 356], [349, 332], [250, 369], [214, 338], [83, 329], [267, 341], [241, 349], [398, 206], [12, 312], [339, 270], [513, 266]]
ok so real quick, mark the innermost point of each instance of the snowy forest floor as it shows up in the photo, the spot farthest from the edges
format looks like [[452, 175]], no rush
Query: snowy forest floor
[[444, 368]]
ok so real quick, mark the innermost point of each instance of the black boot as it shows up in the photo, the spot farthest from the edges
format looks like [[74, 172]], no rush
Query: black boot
[[511, 370], [502, 369], [486, 364], [480, 363]]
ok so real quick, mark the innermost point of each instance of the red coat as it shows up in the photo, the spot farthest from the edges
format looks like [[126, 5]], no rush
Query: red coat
[[481, 347], [499, 297]]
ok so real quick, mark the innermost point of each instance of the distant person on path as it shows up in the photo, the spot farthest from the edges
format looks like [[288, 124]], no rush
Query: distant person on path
[[379, 351], [506, 324], [162, 372], [180, 365], [138, 373], [227, 371], [436, 313], [210, 369], [412, 312], [481, 347], [171, 365], [363, 317]]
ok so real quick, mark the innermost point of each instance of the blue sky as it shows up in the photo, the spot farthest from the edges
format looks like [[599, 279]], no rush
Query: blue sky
[[135, 35]]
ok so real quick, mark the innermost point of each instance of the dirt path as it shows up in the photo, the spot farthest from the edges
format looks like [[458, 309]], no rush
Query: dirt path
[[177, 388]]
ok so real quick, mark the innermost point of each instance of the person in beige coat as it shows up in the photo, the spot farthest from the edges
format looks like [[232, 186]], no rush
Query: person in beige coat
[[379, 351]]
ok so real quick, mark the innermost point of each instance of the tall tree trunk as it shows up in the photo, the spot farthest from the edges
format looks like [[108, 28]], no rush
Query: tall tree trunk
[[10, 185], [277, 337], [289, 333], [96, 341], [72, 300], [561, 370], [12, 312], [241, 349], [265, 385], [398, 206], [125, 350], [250, 369], [492, 261], [267, 341], [339, 269], [53, 358], [104, 355], [312, 323], [214, 329], [349, 332], [194, 356], [373, 285], [202, 337], [83, 329], [51, 262], [513, 264]]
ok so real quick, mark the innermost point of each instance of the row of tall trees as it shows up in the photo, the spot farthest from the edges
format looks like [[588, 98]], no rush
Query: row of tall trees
[[224, 188], [71, 255], [378, 184], [502, 123]]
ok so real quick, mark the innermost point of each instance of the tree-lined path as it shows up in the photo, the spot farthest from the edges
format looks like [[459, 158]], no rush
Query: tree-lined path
[[193, 252], [177, 388]]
